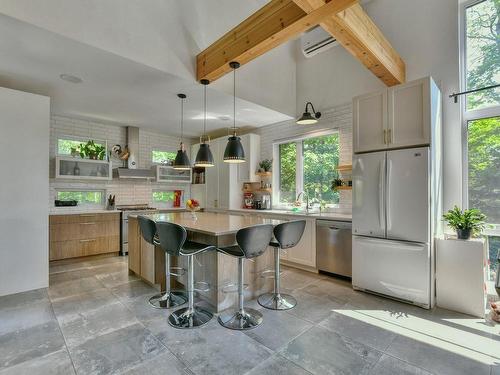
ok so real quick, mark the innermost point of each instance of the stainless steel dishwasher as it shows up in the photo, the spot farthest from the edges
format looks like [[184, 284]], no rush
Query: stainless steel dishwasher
[[334, 247]]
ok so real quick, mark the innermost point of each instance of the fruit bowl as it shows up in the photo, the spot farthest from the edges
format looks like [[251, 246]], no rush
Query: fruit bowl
[[193, 206]]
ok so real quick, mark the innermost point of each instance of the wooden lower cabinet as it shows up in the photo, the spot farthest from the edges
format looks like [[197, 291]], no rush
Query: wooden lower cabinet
[[143, 258], [74, 236]]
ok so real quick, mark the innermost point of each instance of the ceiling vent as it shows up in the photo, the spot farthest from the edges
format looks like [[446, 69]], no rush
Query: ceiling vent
[[315, 41]]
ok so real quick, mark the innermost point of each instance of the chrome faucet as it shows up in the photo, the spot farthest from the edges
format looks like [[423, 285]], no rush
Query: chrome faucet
[[304, 194]]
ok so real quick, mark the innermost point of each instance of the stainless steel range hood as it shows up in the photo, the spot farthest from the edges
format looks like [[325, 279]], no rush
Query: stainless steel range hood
[[133, 160]]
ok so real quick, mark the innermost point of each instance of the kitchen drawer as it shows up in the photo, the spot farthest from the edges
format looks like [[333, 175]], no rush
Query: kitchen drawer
[[84, 247], [83, 218], [83, 230]]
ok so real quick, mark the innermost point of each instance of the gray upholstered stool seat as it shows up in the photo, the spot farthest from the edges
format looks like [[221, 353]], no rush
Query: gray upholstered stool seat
[[168, 298], [172, 239], [251, 242], [287, 235]]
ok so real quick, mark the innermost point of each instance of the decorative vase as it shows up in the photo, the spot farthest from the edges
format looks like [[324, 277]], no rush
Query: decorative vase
[[463, 234]]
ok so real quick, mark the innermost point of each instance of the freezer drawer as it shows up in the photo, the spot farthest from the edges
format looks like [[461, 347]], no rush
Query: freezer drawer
[[397, 269], [333, 247]]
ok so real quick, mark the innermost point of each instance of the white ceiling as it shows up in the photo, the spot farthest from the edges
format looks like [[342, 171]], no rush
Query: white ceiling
[[114, 88]]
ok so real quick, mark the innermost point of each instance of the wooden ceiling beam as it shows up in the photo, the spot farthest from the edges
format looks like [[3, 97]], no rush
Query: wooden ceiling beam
[[275, 23], [355, 30]]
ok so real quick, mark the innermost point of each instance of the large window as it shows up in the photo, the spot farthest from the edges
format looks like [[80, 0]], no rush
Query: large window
[[481, 114], [308, 165], [482, 53]]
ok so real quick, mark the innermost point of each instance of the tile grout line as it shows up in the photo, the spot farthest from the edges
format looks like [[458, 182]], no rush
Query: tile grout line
[[62, 335]]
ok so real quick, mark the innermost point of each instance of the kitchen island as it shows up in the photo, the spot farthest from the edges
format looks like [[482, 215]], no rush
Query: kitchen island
[[217, 270]]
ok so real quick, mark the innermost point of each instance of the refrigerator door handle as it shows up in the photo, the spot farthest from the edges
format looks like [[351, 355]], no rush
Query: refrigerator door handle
[[388, 195], [381, 194]]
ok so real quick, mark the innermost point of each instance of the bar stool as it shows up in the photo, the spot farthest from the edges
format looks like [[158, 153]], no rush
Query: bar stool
[[287, 235], [166, 299], [251, 242], [172, 238]]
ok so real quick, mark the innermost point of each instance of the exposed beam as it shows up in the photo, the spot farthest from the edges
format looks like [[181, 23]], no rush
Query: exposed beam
[[355, 30], [275, 23]]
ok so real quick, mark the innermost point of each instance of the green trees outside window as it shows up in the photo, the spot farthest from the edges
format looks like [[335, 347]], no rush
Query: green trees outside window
[[317, 159]]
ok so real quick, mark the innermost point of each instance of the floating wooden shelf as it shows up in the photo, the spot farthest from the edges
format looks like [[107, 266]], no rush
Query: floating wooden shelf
[[343, 187], [346, 167], [264, 174], [266, 190]]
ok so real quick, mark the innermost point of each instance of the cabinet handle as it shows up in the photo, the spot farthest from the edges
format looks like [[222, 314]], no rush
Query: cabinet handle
[[90, 240], [389, 136], [88, 215], [385, 136], [87, 223]]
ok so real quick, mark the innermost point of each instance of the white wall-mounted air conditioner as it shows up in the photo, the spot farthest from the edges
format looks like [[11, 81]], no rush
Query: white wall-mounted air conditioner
[[315, 41]]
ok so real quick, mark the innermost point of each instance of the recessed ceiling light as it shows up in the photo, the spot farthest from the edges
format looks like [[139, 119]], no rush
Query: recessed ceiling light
[[70, 78]]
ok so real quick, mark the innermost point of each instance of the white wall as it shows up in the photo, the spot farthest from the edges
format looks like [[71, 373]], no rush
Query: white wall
[[425, 34], [24, 228], [126, 191]]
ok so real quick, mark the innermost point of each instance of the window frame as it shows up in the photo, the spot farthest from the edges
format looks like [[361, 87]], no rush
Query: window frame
[[470, 115], [82, 190], [299, 166]]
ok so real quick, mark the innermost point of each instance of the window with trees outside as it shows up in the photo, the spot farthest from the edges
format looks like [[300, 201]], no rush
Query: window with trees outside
[[481, 113], [83, 197], [163, 198], [308, 165], [67, 143], [162, 157]]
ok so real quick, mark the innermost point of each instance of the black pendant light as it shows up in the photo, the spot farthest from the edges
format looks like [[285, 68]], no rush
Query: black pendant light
[[204, 157], [234, 152], [181, 161], [307, 118]]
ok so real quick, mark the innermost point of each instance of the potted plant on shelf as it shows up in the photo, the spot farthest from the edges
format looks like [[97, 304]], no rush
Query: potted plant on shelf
[[92, 151], [465, 223], [265, 165]]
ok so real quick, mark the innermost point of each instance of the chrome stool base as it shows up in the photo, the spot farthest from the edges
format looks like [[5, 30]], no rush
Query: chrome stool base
[[166, 300], [274, 301], [184, 318], [249, 319]]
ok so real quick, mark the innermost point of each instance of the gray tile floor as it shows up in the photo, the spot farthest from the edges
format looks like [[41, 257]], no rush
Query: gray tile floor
[[94, 319]]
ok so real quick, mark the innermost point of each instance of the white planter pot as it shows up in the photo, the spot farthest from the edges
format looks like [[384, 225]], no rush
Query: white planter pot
[[460, 275]]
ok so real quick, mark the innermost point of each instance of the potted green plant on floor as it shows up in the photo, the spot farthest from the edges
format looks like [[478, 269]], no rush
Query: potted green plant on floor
[[466, 222]]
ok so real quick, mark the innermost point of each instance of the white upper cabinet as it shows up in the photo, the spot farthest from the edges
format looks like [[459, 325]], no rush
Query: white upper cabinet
[[246, 171], [409, 114], [397, 117], [370, 121]]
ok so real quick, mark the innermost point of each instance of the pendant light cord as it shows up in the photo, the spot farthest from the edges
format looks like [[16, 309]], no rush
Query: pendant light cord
[[205, 110], [182, 119], [234, 101]]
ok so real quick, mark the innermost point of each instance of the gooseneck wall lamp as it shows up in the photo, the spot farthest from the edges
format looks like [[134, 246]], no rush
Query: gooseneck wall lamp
[[307, 117]]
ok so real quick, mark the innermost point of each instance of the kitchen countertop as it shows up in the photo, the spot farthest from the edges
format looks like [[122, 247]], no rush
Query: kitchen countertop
[[80, 210], [315, 215], [211, 223], [73, 211]]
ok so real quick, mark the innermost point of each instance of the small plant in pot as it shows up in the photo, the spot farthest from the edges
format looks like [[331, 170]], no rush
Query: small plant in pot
[[265, 165], [466, 222]]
